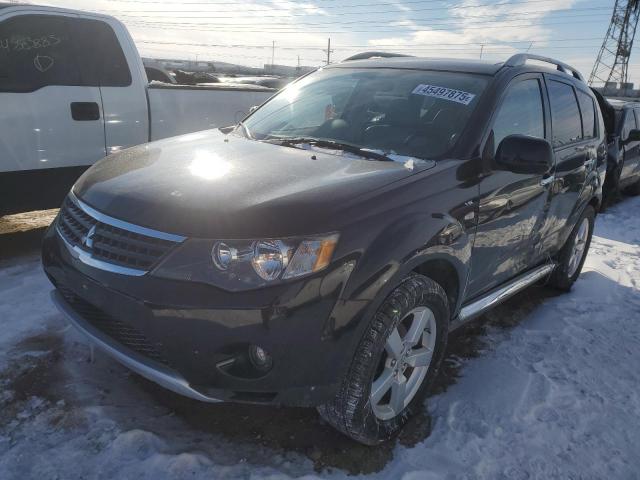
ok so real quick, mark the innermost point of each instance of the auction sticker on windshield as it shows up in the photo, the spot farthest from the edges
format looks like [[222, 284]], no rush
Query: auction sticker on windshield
[[444, 93]]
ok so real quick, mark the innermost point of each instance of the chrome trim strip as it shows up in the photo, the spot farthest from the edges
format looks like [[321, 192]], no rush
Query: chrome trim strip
[[114, 222], [87, 259], [546, 181], [498, 296], [162, 376]]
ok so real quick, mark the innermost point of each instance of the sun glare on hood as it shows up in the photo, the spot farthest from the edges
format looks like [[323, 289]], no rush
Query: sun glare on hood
[[208, 166]]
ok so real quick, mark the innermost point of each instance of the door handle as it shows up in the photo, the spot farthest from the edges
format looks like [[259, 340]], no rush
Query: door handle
[[547, 180], [85, 111]]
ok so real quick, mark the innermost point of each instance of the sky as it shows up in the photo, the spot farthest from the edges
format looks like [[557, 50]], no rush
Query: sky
[[244, 32]]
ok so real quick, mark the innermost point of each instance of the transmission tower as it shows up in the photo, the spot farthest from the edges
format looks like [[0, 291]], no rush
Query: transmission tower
[[613, 59]]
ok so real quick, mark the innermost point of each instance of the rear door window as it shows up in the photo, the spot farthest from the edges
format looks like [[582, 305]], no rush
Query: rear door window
[[588, 112], [36, 51], [42, 50], [565, 115], [521, 112]]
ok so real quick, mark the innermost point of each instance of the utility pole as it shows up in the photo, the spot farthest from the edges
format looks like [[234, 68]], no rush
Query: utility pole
[[329, 51], [481, 50], [273, 54]]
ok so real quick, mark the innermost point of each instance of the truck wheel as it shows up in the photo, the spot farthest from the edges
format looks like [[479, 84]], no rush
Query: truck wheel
[[572, 256], [394, 365]]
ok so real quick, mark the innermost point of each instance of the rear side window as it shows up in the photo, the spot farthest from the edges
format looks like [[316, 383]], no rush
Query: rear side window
[[42, 50], [588, 112], [521, 112], [102, 61], [36, 51], [565, 116]]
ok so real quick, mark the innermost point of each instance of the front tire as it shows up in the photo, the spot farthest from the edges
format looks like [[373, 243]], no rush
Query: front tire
[[574, 253], [394, 365]]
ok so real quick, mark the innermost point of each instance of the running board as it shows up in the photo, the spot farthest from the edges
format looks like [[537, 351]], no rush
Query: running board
[[496, 297]]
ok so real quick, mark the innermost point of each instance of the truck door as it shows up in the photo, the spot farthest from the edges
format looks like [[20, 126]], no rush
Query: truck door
[[512, 205], [51, 121], [111, 61]]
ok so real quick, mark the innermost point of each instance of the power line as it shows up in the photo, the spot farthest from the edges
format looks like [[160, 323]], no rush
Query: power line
[[377, 45], [272, 7], [275, 27], [289, 14], [350, 31], [355, 22], [264, 58]]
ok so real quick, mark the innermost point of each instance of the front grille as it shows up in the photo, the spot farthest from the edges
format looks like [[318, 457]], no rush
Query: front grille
[[74, 223], [109, 243], [122, 333]]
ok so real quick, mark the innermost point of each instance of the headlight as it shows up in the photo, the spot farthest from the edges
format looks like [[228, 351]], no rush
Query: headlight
[[270, 258], [274, 259], [241, 264]]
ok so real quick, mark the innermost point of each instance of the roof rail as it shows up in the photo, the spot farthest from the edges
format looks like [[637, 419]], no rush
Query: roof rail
[[368, 55], [520, 59]]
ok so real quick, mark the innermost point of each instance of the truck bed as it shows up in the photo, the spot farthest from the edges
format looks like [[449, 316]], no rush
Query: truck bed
[[178, 109]]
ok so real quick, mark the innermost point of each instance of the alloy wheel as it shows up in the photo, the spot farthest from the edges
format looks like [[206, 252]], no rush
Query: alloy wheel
[[578, 250], [404, 363]]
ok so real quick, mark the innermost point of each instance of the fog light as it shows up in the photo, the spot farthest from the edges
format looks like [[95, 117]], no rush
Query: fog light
[[260, 358]]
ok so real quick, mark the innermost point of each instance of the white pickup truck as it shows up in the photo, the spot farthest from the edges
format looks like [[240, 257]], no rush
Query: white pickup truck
[[73, 89]]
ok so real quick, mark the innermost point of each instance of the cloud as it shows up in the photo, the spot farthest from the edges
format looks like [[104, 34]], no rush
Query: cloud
[[497, 30], [463, 29], [215, 26]]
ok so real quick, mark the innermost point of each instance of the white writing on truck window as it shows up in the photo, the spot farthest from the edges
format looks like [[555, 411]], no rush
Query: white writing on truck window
[[27, 43]]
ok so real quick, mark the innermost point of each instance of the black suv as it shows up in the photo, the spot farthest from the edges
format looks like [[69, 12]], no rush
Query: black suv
[[319, 253], [622, 121]]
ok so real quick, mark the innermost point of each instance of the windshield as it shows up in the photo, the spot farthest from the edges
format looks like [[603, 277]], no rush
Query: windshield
[[413, 113]]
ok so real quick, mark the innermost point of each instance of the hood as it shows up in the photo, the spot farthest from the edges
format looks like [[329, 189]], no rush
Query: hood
[[211, 185]]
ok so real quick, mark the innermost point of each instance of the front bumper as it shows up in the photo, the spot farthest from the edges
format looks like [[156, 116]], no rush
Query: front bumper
[[190, 338], [162, 376]]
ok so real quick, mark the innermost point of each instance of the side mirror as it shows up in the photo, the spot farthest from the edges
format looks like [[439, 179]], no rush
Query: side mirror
[[524, 154], [254, 108], [634, 136]]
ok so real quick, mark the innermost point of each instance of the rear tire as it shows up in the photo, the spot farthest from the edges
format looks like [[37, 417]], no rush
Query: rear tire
[[391, 374], [611, 187], [572, 256]]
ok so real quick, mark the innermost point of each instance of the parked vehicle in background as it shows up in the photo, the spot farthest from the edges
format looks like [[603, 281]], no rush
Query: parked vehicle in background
[[319, 254], [73, 89], [157, 73], [623, 164]]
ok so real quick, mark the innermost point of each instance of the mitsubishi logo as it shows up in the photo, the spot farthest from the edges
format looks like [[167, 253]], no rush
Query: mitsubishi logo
[[87, 241]]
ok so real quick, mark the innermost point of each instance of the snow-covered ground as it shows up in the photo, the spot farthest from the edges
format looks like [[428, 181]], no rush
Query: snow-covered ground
[[548, 387]]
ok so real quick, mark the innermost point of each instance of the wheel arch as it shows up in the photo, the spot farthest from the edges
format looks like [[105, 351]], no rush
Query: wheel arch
[[444, 274]]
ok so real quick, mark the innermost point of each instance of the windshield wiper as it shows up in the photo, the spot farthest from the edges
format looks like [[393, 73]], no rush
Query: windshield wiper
[[334, 144]]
